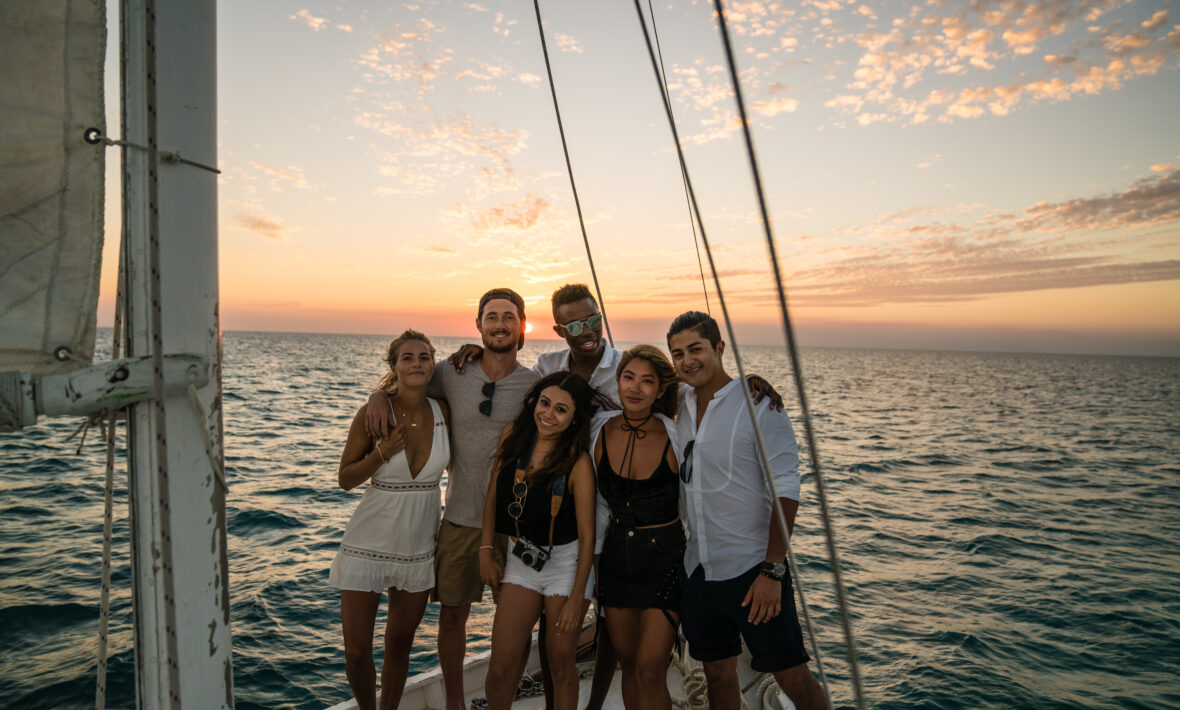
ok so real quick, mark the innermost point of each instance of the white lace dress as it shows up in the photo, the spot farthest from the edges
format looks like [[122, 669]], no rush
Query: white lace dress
[[389, 542]]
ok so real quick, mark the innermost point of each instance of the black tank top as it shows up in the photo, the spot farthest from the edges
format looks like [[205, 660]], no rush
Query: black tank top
[[636, 503], [534, 522]]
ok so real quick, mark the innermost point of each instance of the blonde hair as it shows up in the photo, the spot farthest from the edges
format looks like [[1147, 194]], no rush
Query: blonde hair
[[668, 399], [388, 383]]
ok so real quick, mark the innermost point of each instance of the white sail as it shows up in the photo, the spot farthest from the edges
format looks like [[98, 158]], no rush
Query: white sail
[[51, 182]]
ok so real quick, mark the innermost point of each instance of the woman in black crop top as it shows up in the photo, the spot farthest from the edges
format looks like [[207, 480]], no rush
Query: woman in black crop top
[[638, 582], [542, 495]]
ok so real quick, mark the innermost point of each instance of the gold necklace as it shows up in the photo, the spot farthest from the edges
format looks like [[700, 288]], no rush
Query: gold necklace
[[403, 416]]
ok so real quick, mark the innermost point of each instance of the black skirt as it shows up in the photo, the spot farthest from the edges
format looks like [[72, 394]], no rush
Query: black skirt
[[640, 569]]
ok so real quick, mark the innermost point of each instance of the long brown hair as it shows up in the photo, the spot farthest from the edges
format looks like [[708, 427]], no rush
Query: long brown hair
[[668, 399], [388, 383], [570, 444]]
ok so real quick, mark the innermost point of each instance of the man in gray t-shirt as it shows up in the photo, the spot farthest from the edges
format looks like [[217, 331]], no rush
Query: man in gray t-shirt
[[483, 398]]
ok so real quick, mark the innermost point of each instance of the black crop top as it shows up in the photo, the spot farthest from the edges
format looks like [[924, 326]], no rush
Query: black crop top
[[534, 522], [636, 503]]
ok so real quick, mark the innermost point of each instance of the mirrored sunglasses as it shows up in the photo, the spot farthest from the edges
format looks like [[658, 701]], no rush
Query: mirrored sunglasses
[[574, 328]]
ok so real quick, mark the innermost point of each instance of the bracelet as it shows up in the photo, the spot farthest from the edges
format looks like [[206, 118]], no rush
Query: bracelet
[[487, 547], [381, 455]]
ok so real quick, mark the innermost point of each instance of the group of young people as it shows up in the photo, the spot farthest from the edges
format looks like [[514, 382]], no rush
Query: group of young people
[[627, 476]]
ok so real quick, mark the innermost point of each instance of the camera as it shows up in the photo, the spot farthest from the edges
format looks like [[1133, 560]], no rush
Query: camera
[[530, 554]]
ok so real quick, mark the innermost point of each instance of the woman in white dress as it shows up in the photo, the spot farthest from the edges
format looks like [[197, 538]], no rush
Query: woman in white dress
[[389, 542]]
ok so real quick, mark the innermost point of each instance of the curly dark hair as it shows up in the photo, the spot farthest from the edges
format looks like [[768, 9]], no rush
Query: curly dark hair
[[571, 293], [571, 443]]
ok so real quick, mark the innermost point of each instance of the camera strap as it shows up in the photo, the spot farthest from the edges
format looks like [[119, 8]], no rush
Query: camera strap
[[555, 499], [555, 506]]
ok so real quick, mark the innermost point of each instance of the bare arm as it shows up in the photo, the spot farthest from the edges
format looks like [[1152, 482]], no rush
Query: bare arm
[[765, 595], [582, 485], [760, 388], [378, 415], [361, 459], [469, 352], [490, 572]]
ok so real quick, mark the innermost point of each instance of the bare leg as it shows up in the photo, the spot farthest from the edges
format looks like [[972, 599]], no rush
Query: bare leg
[[512, 628], [452, 647], [405, 613], [543, 654], [801, 687], [358, 611], [656, 638], [604, 666], [722, 681], [623, 625], [561, 649]]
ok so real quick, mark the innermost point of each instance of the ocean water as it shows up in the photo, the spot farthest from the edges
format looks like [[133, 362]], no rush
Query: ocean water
[[1008, 527]]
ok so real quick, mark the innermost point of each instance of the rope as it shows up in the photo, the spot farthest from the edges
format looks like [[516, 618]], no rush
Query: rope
[[570, 169], [741, 369], [157, 346], [683, 174], [165, 155], [108, 502], [792, 350]]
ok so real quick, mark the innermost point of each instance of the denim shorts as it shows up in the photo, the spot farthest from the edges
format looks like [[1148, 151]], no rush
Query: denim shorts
[[715, 621], [556, 578]]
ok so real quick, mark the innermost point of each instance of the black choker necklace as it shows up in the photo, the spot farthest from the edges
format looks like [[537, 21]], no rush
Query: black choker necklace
[[637, 428]]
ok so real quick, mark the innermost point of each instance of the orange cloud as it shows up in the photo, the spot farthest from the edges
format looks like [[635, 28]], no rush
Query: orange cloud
[[264, 225]]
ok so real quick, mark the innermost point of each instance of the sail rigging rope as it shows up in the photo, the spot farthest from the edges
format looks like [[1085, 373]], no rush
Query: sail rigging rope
[[793, 351], [570, 169], [737, 357], [109, 493], [683, 175], [155, 332]]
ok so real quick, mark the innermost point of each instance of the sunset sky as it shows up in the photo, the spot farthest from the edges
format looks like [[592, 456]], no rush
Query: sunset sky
[[988, 175]]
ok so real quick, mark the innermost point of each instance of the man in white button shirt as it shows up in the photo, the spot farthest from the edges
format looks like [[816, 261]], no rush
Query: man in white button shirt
[[736, 582]]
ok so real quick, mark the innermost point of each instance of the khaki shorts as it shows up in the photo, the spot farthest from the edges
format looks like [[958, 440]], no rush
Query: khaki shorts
[[457, 581]]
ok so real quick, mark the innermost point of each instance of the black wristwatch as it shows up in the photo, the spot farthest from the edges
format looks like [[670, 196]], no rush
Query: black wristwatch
[[774, 570]]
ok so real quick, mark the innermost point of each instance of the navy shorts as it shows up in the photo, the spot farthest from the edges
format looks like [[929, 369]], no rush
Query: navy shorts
[[713, 619]]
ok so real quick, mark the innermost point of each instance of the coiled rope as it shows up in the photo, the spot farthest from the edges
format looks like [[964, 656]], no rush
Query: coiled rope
[[570, 169]]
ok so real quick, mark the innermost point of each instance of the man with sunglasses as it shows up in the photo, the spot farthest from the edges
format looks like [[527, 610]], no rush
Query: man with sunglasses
[[736, 583], [483, 398], [577, 320]]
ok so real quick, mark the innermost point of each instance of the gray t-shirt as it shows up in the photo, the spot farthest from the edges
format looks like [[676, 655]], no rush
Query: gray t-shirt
[[474, 435]]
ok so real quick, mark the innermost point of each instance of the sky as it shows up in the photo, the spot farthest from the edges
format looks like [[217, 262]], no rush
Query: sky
[[939, 175]]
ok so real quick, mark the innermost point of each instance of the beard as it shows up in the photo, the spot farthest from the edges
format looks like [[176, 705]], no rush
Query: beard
[[508, 347]]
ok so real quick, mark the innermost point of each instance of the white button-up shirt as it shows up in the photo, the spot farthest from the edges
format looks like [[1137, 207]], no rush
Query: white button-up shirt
[[726, 502], [602, 379]]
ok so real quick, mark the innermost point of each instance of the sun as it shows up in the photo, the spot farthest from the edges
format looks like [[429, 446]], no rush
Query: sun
[[528, 327]]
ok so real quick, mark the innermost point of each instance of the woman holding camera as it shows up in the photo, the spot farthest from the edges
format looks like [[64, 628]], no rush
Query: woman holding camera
[[541, 495]]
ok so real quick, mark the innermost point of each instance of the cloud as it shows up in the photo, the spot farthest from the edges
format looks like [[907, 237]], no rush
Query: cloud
[[1150, 201], [773, 107], [567, 43], [291, 174], [985, 46], [265, 225], [305, 16], [1158, 20], [522, 215], [961, 252]]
